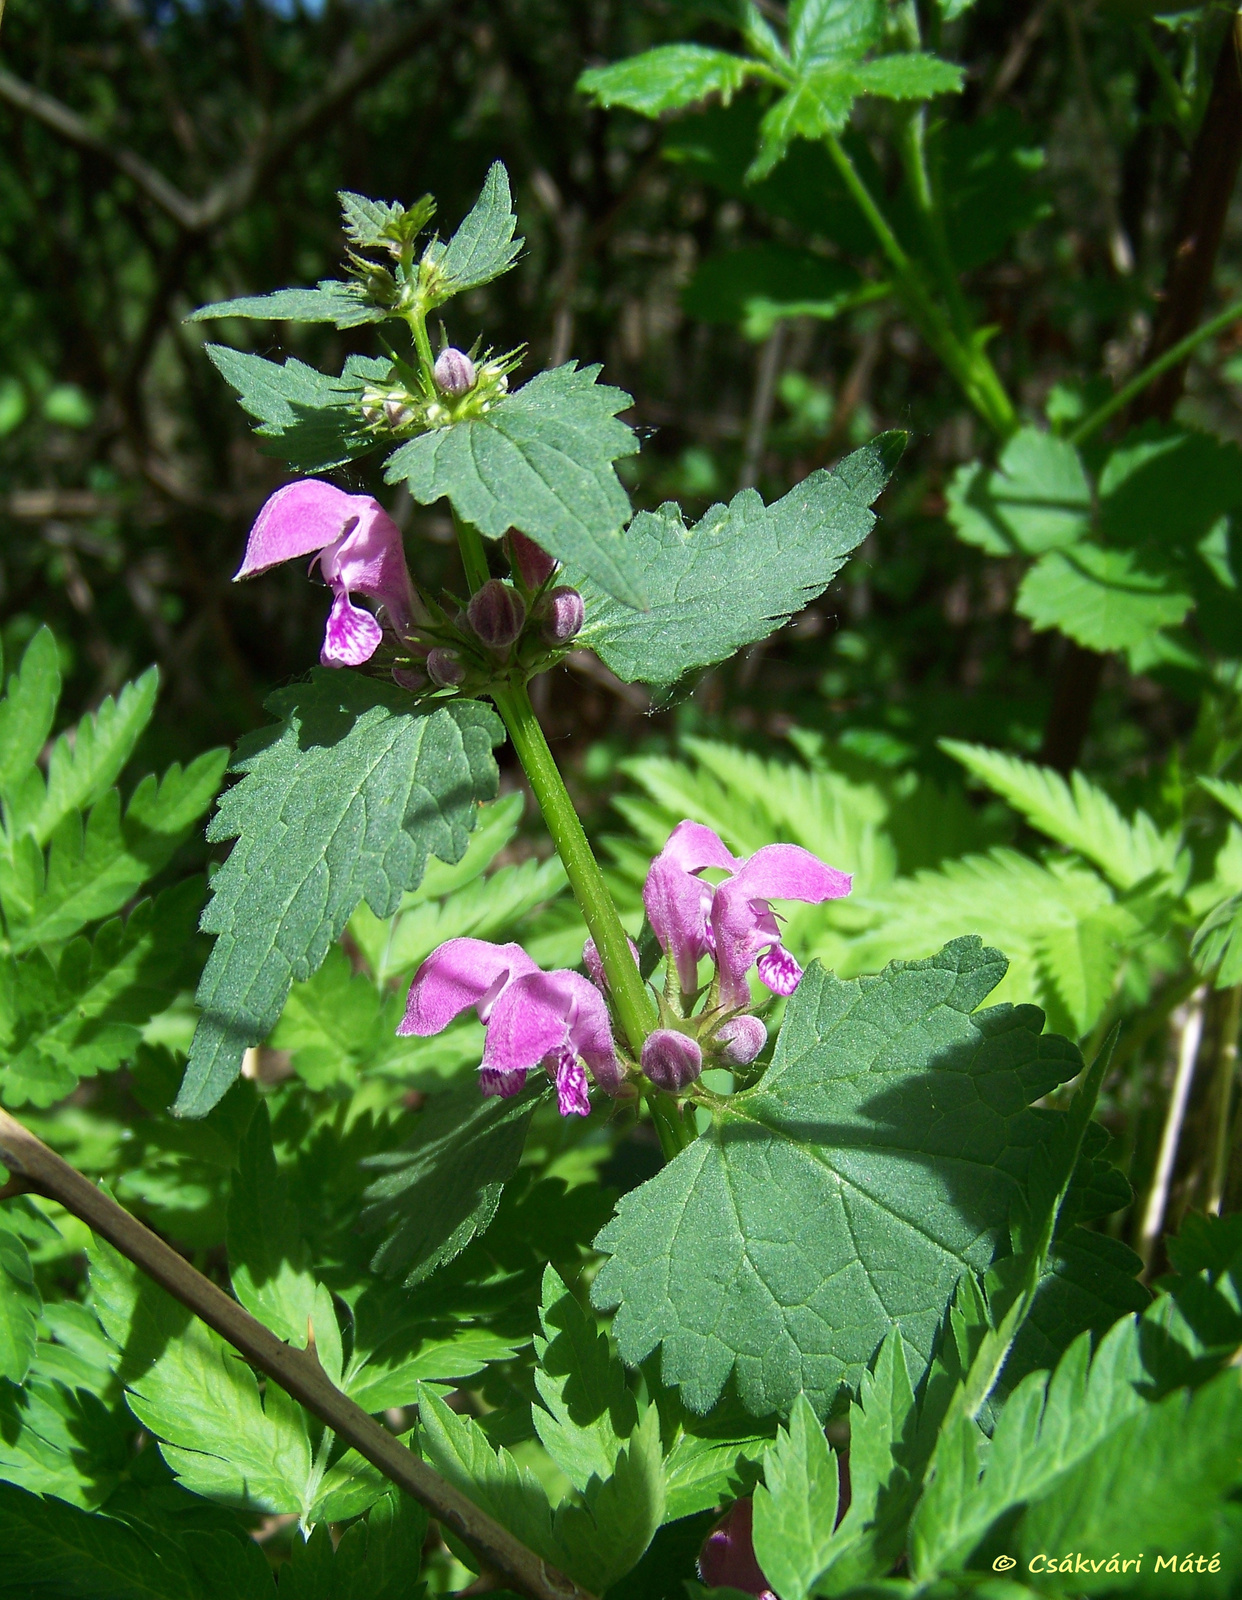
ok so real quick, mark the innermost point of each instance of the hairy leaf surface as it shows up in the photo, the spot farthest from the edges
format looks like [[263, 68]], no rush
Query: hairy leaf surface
[[539, 461], [873, 1165], [738, 574], [343, 800]]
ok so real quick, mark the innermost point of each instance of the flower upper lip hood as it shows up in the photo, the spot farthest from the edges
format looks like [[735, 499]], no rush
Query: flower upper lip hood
[[734, 921], [359, 551], [557, 1019]]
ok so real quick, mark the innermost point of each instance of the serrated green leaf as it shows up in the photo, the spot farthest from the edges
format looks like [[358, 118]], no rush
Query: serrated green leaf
[[1081, 963], [369, 223], [1187, 1442], [1228, 795], [343, 800], [27, 710], [56, 1550], [1078, 814], [588, 1411], [831, 30], [92, 871], [390, 1374], [221, 1436], [444, 1185], [312, 420], [914, 76], [1005, 897], [1038, 497], [20, 1305], [269, 1264], [81, 1014], [344, 304], [378, 1559], [850, 1190], [601, 1539], [539, 461], [738, 574], [795, 1509], [667, 78], [460, 1451], [82, 769], [1046, 1428], [199, 1399], [338, 1023], [1101, 598], [483, 247], [1217, 944], [818, 104]]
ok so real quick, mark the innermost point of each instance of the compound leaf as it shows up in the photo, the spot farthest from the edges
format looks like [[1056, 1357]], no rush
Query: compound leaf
[[1078, 814], [82, 1012], [81, 770], [834, 30], [914, 76], [27, 709], [1038, 497], [1102, 598], [739, 573], [268, 1259], [539, 461], [343, 800], [20, 1305], [664, 79], [873, 1166]]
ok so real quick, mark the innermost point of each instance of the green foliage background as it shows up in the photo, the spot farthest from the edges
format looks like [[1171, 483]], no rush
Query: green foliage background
[[352, 1187]]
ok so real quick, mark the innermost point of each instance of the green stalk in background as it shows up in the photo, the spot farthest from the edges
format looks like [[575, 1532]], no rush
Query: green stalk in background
[[965, 358]]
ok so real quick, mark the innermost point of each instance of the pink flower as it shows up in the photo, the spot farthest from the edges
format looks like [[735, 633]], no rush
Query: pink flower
[[554, 1019], [358, 548], [733, 922]]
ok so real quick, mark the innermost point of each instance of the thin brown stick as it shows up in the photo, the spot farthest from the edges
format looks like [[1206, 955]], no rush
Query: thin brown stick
[[298, 1372]]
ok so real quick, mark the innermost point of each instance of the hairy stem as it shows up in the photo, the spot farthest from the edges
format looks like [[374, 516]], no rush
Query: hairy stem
[[968, 363], [634, 1006], [298, 1372]]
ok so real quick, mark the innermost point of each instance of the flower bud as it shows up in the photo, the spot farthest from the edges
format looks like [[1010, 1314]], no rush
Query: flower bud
[[671, 1060], [398, 411], [454, 371], [741, 1039], [496, 613], [592, 961], [563, 615], [444, 668], [727, 1559], [533, 565], [409, 678]]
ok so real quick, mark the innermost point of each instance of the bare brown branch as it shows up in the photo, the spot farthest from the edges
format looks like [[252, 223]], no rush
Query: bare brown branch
[[298, 1372]]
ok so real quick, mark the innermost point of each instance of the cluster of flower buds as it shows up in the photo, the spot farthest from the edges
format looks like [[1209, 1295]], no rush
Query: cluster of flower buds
[[463, 387]]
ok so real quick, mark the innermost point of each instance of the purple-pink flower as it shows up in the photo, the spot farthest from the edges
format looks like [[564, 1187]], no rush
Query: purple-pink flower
[[727, 1559], [734, 921], [557, 1020], [358, 548]]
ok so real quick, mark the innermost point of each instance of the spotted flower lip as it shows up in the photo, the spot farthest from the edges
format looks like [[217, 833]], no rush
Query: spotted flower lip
[[557, 1020], [359, 551], [734, 921]]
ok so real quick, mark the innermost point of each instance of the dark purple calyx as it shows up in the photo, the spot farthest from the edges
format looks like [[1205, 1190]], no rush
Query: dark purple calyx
[[497, 614]]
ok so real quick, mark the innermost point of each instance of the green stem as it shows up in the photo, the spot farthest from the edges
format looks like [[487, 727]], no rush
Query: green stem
[[473, 555], [417, 320], [669, 1124], [1171, 358], [966, 361], [634, 1006]]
